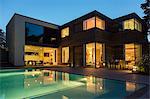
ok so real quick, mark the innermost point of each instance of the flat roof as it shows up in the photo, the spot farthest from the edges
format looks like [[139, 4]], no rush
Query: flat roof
[[30, 18]]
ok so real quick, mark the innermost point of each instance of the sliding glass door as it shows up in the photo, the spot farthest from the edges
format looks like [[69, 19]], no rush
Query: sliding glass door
[[38, 55], [133, 53], [95, 54], [99, 55], [65, 54], [90, 54]]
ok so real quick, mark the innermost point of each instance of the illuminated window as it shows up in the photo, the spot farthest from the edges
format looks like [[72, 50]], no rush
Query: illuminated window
[[90, 54], [133, 53], [65, 32], [129, 50], [33, 55], [95, 53], [89, 23], [93, 22], [132, 24], [138, 26], [129, 24], [37, 55], [65, 54], [53, 39], [99, 54], [100, 23]]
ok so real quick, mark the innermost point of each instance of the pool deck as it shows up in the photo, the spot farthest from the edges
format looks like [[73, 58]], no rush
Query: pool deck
[[123, 75]]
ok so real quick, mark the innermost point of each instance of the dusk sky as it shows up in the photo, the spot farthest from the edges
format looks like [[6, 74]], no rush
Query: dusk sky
[[62, 11]]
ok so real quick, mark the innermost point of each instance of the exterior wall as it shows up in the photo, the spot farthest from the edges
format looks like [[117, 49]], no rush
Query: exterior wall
[[78, 55], [10, 37], [59, 55], [113, 37], [19, 41], [108, 53], [71, 55], [16, 37], [102, 36], [128, 36]]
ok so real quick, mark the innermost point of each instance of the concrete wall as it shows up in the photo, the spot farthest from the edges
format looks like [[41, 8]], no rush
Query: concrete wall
[[16, 37], [10, 38]]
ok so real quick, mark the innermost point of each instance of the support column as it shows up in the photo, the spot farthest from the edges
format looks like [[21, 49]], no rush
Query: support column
[[104, 53], [84, 54], [95, 54]]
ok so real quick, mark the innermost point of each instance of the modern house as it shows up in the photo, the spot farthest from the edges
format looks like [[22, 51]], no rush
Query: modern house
[[91, 40]]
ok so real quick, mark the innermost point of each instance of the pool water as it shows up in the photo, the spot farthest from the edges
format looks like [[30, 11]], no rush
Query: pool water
[[47, 84]]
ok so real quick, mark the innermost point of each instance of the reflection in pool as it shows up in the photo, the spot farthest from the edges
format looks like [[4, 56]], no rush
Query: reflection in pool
[[45, 84]]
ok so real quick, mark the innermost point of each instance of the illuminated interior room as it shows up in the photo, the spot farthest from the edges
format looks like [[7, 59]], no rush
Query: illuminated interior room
[[132, 54], [95, 54], [65, 54], [37, 55], [65, 32], [93, 22], [132, 24]]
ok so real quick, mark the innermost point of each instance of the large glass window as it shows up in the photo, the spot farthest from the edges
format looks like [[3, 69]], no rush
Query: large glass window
[[33, 55], [34, 33], [37, 55], [132, 24], [65, 32], [89, 23], [33, 29], [129, 24], [99, 55], [138, 52], [95, 53], [39, 34], [100, 23], [138, 25], [132, 54], [93, 22], [65, 54], [49, 56], [90, 54]]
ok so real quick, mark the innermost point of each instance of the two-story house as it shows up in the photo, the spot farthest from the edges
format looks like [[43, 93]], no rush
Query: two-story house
[[93, 40]]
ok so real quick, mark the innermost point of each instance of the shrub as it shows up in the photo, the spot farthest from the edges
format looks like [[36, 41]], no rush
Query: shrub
[[144, 64]]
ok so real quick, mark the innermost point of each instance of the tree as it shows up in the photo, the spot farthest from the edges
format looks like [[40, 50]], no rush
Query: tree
[[144, 63], [146, 7], [2, 39]]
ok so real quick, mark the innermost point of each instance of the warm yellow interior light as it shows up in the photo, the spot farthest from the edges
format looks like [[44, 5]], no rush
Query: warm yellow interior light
[[132, 24], [37, 55], [65, 32], [132, 54], [65, 54], [93, 22]]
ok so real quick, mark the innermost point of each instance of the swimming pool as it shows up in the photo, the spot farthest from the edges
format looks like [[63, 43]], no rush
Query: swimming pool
[[47, 84]]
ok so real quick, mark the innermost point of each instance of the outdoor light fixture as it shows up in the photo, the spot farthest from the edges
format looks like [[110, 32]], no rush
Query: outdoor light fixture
[[104, 64], [101, 87], [30, 63], [134, 68]]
